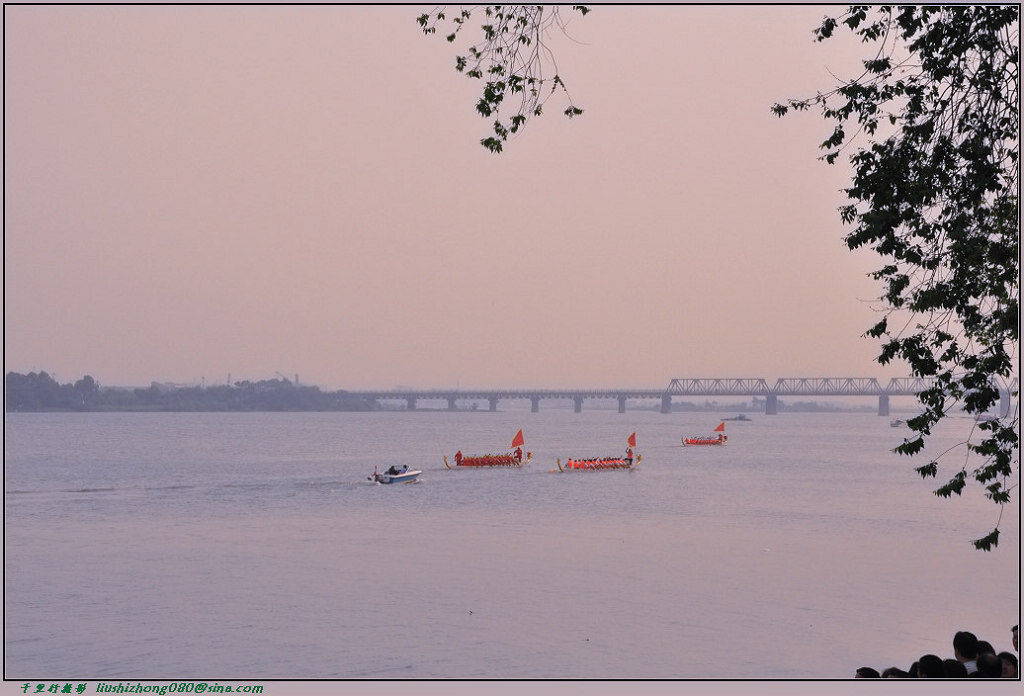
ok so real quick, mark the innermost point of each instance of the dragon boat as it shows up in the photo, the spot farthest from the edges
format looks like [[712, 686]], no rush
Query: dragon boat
[[514, 458], [702, 440], [713, 440], [603, 463], [598, 463]]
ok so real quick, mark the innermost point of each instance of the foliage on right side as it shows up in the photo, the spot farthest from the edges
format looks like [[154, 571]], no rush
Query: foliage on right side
[[931, 128]]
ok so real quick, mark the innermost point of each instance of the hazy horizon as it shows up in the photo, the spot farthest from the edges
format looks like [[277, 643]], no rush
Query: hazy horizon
[[297, 380], [203, 193]]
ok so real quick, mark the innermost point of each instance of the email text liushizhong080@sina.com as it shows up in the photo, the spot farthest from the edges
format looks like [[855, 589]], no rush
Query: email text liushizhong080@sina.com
[[140, 688]]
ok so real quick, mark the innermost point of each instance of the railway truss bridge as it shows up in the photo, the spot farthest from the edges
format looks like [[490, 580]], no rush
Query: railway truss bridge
[[692, 387]]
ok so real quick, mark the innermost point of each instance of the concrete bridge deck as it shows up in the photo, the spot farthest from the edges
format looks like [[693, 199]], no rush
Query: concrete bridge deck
[[704, 386]]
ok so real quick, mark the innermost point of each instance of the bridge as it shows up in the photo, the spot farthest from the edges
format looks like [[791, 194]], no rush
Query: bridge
[[701, 387]]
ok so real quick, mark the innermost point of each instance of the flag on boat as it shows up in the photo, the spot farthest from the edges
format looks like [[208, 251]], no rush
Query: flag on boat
[[720, 428], [517, 441], [632, 440]]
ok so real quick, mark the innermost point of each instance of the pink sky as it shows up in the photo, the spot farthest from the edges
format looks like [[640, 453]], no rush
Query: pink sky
[[196, 192]]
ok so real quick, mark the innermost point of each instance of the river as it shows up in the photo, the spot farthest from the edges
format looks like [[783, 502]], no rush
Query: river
[[252, 546]]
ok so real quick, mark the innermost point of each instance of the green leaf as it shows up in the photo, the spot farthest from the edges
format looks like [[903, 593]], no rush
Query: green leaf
[[987, 542], [955, 485]]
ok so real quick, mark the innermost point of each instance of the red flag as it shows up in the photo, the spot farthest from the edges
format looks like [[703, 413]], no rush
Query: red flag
[[720, 428], [517, 441], [632, 440]]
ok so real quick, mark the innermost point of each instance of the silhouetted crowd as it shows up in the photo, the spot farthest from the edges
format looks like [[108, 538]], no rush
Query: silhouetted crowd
[[972, 658]]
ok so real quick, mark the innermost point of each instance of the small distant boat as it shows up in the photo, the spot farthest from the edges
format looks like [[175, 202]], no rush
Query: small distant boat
[[396, 475], [896, 422], [514, 458], [739, 417], [714, 440], [603, 463]]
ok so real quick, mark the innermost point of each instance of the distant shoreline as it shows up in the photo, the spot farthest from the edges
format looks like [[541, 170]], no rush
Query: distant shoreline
[[39, 392]]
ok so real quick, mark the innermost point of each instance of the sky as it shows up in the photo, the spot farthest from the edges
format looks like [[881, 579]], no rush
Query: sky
[[203, 194]]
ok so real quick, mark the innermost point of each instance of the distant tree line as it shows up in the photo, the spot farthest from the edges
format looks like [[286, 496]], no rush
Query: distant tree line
[[38, 391]]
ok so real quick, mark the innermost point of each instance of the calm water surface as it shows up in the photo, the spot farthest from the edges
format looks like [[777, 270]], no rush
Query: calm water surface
[[248, 546]]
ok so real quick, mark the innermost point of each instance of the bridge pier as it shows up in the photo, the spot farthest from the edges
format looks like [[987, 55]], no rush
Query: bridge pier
[[883, 404], [771, 405], [622, 404], [577, 403], [493, 403], [451, 403], [534, 404], [410, 404], [666, 403]]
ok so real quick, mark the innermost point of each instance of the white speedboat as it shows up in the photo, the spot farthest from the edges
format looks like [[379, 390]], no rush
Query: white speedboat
[[396, 475]]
